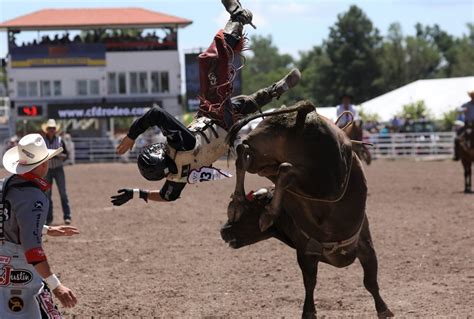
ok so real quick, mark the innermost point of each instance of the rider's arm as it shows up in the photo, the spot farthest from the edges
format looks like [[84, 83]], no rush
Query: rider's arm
[[178, 135], [168, 193]]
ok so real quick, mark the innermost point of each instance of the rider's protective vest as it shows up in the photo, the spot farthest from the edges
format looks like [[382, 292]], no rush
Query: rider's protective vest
[[210, 146]]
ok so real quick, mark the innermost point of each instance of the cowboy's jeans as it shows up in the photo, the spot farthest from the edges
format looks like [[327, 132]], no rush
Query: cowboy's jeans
[[57, 174]]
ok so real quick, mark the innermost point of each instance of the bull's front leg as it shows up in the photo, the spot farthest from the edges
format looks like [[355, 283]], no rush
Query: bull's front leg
[[235, 208], [272, 211]]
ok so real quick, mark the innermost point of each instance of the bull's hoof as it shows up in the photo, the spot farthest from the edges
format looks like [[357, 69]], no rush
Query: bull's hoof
[[385, 314], [265, 221], [467, 191], [308, 315]]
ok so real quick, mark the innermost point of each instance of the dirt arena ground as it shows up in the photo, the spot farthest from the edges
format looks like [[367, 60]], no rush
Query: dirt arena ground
[[168, 260]]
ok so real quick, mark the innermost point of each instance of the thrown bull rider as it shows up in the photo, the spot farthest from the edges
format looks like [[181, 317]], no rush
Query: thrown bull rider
[[189, 152]]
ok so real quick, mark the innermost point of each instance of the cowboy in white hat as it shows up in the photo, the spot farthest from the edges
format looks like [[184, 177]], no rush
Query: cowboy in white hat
[[27, 280], [467, 110], [56, 169]]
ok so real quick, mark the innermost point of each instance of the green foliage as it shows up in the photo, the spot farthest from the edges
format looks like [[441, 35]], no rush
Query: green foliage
[[448, 119], [355, 59], [352, 47], [368, 117], [415, 111], [265, 67]]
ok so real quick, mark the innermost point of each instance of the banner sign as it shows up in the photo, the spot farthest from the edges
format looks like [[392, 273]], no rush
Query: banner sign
[[192, 80], [63, 55], [98, 110]]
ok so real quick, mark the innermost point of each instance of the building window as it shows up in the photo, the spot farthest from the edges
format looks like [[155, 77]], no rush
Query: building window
[[22, 89], [112, 83], [45, 88], [133, 82], [155, 82], [122, 83], [94, 87], [57, 88], [32, 88], [143, 82], [81, 87], [165, 85]]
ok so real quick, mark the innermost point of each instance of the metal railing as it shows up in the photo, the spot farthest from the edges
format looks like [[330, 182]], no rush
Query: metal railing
[[429, 145]]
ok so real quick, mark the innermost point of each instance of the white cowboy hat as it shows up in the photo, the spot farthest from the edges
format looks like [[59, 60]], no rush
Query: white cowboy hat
[[50, 123], [29, 154]]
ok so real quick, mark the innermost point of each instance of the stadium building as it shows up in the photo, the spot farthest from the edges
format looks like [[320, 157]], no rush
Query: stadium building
[[92, 64]]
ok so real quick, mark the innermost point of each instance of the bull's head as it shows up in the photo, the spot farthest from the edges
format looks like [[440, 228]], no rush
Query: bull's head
[[242, 228]]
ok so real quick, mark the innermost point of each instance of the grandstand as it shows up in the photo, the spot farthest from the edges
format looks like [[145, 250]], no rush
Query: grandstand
[[100, 64]]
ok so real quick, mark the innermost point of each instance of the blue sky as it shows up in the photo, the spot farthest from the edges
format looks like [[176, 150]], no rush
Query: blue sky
[[295, 25]]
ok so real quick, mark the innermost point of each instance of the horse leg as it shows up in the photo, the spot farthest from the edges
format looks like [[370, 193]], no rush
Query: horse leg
[[368, 259], [234, 210], [309, 267], [469, 178], [284, 178], [467, 175]]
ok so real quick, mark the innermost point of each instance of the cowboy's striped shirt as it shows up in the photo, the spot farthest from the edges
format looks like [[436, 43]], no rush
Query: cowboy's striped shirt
[[54, 144]]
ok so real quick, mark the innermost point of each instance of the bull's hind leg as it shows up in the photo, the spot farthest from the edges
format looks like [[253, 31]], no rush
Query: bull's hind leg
[[284, 178], [368, 260], [234, 210], [309, 268]]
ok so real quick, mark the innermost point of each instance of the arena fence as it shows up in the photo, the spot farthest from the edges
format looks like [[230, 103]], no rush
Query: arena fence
[[430, 145]]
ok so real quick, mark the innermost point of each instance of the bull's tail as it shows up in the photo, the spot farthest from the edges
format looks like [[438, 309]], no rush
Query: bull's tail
[[301, 107]]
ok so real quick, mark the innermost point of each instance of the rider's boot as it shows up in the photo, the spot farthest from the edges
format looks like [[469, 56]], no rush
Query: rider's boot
[[290, 80], [262, 97], [237, 13]]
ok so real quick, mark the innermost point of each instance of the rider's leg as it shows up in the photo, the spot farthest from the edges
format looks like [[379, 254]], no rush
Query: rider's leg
[[246, 104], [215, 71]]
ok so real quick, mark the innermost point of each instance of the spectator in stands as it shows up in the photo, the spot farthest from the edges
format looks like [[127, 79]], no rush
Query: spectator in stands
[[56, 170], [346, 106], [468, 110]]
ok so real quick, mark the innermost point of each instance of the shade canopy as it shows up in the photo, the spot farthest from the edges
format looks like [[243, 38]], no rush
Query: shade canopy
[[439, 95], [64, 19]]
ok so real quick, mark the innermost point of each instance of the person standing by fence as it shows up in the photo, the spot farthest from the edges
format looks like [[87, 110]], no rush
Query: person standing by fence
[[56, 170]]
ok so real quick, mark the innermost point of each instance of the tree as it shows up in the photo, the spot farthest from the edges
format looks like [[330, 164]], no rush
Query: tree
[[352, 50], [393, 60], [265, 67], [312, 65], [462, 55]]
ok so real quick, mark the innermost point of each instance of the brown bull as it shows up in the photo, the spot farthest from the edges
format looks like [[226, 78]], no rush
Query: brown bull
[[318, 205]]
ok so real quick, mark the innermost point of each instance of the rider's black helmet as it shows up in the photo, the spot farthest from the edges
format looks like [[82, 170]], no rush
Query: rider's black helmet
[[153, 162]]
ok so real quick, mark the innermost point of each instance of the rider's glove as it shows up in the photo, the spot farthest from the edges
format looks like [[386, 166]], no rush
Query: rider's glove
[[126, 194]]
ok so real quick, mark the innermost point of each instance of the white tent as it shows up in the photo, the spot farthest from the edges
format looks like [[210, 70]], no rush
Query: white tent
[[330, 112], [439, 95]]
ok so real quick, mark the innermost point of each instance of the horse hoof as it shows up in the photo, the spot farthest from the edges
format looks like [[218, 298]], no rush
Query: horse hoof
[[467, 191], [385, 314], [309, 315], [265, 221]]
